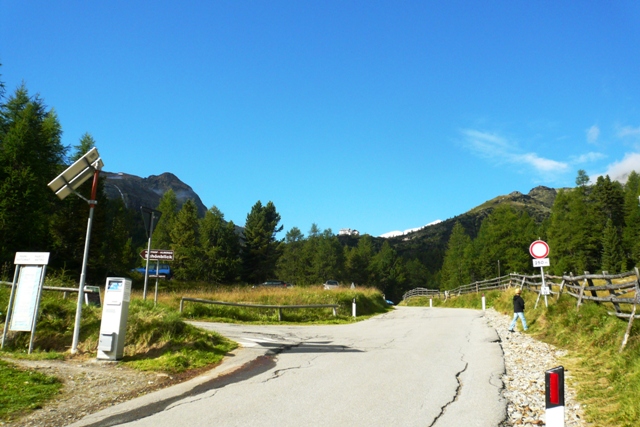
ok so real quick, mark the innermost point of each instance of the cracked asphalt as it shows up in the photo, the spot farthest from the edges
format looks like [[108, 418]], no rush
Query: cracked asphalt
[[413, 366]]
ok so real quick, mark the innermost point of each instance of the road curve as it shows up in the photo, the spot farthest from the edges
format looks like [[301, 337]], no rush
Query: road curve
[[409, 367]]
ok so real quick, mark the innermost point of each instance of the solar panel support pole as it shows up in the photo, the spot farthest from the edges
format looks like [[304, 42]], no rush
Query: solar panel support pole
[[83, 275]]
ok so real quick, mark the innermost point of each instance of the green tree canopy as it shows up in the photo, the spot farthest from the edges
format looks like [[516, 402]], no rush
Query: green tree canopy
[[261, 248]]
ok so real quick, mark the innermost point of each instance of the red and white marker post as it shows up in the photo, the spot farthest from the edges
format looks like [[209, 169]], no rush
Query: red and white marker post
[[554, 397], [539, 250]]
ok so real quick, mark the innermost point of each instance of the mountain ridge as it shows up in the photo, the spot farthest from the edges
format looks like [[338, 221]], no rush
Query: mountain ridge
[[136, 191]]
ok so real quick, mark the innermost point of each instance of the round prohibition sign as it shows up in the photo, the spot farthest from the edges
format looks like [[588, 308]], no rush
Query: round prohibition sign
[[539, 249]]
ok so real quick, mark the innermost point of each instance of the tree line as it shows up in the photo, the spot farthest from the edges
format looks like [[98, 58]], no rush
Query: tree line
[[592, 227]]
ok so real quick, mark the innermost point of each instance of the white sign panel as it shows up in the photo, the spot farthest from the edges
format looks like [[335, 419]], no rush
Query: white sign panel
[[543, 262], [539, 249], [24, 307], [545, 290], [31, 258]]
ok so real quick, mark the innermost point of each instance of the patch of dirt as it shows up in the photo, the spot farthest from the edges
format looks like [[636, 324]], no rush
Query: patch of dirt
[[90, 385]]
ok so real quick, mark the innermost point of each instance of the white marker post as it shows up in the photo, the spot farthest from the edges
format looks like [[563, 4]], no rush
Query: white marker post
[[484, 303], [554, 397], [540, 250]]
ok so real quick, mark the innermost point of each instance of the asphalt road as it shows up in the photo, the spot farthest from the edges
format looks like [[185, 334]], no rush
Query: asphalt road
[[410, 367]]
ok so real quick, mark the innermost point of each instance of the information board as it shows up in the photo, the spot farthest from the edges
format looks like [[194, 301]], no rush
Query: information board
[[25, 304]]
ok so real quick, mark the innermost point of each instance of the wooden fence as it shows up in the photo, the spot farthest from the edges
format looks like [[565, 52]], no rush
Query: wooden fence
[[621, 291]]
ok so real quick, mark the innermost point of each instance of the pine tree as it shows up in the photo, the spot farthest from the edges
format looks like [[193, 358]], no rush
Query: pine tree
[[505, 236], [220, 246], [613, 259], [261, 248], [358, 261], [184, 237], [291, 266], [168, 206], [328, 260], [388, 271], [30, 156], [85, 144], [455, 268], [631, 231]]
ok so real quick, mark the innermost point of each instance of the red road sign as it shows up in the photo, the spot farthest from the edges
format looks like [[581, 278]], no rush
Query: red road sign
[[539, 249], [158, 254]]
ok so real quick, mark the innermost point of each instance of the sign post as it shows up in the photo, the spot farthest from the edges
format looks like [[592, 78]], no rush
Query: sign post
[[151, 218], [539, 250], [157, 255]]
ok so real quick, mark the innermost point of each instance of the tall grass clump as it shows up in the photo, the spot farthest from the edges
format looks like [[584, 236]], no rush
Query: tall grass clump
[[607, 381], [369, 302]]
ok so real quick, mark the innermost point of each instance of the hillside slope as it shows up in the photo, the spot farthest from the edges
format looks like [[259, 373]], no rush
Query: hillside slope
[[429, 244]]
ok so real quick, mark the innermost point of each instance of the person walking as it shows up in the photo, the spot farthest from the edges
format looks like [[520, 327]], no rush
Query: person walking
[[518, 311]]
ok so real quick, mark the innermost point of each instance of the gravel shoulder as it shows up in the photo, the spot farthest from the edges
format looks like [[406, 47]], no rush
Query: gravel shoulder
[[526, 361], [91, 385]]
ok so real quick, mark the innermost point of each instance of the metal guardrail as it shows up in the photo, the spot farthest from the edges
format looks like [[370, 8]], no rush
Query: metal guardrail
[[278, 307], [52, 288]]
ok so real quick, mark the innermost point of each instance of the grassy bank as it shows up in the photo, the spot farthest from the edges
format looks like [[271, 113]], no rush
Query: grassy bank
[[607, 381]]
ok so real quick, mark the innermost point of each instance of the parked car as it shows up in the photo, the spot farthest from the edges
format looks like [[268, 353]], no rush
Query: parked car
[[275, 284], [164, 270], [331, 284]]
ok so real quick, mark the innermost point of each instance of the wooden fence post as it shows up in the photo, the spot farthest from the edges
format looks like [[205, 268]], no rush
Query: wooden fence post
[[633, 311], [560, 291], [584, 283], [626, 334]]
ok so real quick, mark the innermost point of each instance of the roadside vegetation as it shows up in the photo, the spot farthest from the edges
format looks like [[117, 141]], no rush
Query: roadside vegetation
[[607, 382], [158, 336]]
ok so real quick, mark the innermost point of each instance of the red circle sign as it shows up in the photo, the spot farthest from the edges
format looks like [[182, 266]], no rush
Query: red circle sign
[[539, 249]]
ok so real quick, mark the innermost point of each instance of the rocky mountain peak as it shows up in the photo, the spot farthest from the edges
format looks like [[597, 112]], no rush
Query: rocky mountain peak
[[135, 191]]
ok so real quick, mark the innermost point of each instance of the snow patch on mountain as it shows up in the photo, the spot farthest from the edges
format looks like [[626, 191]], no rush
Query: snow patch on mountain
[[411, 230]]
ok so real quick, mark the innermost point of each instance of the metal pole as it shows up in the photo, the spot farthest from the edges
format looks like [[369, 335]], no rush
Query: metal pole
[[7, 319], [146, 271], [83, 275], [34, 321], [155, 297]]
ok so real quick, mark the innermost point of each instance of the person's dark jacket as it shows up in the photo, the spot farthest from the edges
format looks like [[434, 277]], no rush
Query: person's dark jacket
[[518, 304]]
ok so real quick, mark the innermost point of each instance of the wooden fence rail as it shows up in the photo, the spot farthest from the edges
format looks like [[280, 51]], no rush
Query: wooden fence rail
[[626, 290]]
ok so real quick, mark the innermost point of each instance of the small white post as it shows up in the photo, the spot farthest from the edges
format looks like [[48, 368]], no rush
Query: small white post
[[484, 303], [353, 308], [554, 397], [430, 302]]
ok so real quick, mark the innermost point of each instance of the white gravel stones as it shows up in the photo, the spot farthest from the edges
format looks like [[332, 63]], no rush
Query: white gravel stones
[[526, 361]]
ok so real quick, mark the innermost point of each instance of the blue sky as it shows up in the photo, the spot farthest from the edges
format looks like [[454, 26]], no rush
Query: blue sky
[[372, 115]]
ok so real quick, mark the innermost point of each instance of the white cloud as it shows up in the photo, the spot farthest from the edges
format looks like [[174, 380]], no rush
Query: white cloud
[[487, 144], [540, 163], [500, 150], [592, 134], [629, 131], [587, 158], [619, 171]]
